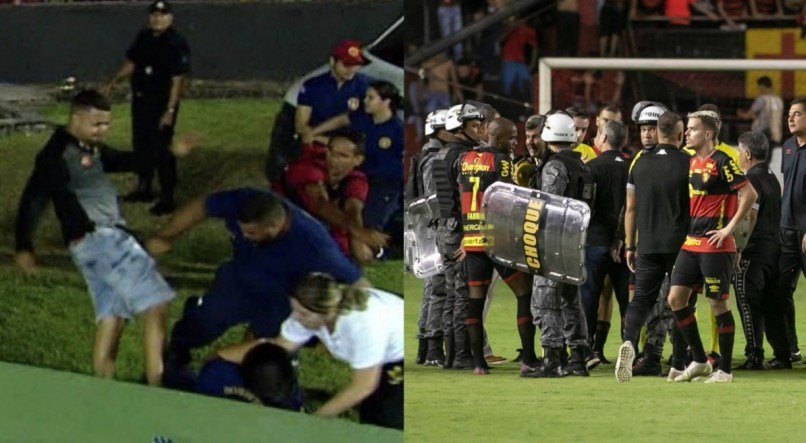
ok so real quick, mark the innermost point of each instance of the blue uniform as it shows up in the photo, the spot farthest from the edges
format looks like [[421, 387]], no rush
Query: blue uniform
[[328, 100], [254, 286], [220, 378], [383, 167]]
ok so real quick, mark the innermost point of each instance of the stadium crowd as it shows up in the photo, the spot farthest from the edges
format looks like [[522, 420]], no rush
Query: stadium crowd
[[680, 216]]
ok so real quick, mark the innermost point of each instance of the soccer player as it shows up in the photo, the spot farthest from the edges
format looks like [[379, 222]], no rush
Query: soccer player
[[479, 169], [706, 258]]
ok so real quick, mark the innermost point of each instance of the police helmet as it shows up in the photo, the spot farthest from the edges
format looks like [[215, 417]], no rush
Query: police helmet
[[559, 128], [459, 114], [648, 112], [435, 121]]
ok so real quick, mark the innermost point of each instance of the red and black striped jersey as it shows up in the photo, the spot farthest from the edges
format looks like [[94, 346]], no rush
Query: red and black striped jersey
[[713, 183], [478, 170]]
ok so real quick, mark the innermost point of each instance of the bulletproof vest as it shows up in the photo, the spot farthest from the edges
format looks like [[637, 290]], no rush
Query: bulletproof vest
[[447, 188], [580, 181], [425, 167]]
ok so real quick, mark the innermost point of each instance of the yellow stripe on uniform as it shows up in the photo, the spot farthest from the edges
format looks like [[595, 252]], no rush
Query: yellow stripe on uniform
[[586, 152]]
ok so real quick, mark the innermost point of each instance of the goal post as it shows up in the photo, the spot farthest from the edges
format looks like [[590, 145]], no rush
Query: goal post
[[546, 65]]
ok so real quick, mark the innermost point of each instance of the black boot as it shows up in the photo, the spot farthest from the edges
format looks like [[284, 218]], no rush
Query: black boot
[[450, 351], [550, 367], [463, 359], [576, 364], [422, 349], [435, 355]]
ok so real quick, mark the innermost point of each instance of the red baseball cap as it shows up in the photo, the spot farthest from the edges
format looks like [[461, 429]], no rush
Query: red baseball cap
[[349, 53]]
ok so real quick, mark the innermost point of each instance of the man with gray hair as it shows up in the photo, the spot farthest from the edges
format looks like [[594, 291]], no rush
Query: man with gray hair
[[757, 273], [609, 171]]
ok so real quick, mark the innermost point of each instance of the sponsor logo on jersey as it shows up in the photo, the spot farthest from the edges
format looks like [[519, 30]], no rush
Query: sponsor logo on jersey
[[384, 142], [353, 103]]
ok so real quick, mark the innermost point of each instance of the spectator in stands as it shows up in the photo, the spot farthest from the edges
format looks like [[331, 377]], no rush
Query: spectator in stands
[[767, 112], [730, 11], [567, 28], [470, 77], [333, 93], [449, 16], [761, 8], [515, 73], [488, 49], [329, 185], [157, 64], [440, 77], [612, 20], [679, 11]]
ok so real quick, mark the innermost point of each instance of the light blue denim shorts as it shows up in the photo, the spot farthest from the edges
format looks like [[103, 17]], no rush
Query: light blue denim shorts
[[122, 278]]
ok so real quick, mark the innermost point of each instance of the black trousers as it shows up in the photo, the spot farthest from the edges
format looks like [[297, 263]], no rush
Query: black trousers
[[791, 263], [384, 407], [152, 142], [759, 304]]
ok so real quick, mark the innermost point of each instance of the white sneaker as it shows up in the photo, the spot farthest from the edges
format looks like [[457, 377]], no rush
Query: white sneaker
[[626, 355], [720, 377], [695, 370], [673, 373]]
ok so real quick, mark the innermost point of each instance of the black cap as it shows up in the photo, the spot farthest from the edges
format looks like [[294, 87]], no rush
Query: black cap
[[160, 6]]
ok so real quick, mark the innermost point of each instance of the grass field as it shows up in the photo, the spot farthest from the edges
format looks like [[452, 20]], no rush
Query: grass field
[[444, 405], [47, 320]]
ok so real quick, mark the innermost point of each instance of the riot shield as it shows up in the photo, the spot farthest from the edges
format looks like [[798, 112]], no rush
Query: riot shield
[[420, 239], [536, 232]]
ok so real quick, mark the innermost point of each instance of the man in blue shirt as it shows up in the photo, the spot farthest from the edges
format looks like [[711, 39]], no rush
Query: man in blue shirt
[[383, 148], [333, 93], [274, 245]]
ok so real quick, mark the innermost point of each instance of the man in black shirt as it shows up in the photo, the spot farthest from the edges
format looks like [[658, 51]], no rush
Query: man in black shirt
[[657, 190], [758, 262], [793, 216], [122, 278], [157, 63], [609, 171]]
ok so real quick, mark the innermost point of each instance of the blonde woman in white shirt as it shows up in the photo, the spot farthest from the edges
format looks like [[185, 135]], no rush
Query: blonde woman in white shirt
[[361, 327]]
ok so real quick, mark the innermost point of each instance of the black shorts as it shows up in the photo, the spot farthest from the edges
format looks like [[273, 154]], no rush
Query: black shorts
[[711, 271], [479, 268]]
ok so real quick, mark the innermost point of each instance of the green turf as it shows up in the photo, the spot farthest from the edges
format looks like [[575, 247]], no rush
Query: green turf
[[47, 320], [444, 405], [52, 406]]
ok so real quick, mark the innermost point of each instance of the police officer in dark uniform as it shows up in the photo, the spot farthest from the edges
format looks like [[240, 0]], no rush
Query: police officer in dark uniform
[[157, 64], [463, 122], [556, 306], [421, 184], [757, 275]]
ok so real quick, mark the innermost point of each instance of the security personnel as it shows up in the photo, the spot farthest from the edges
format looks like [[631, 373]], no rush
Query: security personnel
[[793, 216], [609, 171], [463, 122], [421, 184], [754, 282], [660, 321], [157, 63], [556, 306], [657, 189], [479, 169]]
